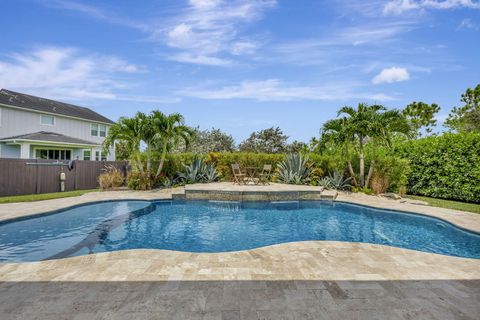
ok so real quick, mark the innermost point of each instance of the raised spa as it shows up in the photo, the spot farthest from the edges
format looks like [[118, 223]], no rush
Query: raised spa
[[202, 226]]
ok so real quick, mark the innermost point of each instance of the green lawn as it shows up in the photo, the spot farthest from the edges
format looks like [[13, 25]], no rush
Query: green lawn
[[464, 206], [44, 196]]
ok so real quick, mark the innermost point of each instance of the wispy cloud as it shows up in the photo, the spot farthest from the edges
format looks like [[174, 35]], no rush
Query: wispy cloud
[[390, 75], [69, 73], [276, 90], [209, 29], [98, 13], [467, 23], [401, 6]]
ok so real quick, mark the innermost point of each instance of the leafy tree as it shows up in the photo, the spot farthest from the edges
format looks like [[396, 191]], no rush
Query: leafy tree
[[121, 151], [466, 118], [130, 132], [421, 115], [298, 146], [271, 140], [205, 141], [365, 124], [154, 132], [168, 131]]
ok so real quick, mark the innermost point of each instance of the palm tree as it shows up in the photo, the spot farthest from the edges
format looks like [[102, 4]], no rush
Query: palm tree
[[336, 131], [169, 130], [131, 131], [366, 124], [384, 126]]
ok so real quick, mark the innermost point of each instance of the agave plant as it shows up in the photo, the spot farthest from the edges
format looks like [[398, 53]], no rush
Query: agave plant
[[211, 173], [294, 170], [193, 172], [325, 182], [198, 171], [336, 181]]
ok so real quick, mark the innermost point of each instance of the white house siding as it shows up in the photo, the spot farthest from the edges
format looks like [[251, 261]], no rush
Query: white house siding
[[15, 122]]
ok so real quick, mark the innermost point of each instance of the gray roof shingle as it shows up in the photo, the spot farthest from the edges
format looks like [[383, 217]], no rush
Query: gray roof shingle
[[49, 136], [26, 101]]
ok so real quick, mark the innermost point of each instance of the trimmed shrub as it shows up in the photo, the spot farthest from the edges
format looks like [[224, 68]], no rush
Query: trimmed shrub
[[446, 166]]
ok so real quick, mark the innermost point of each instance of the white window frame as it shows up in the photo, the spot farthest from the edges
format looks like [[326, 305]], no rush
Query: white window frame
[[83, 154], [100, 130], [98, 155], [91, 129], [52, 148], [47, 124]]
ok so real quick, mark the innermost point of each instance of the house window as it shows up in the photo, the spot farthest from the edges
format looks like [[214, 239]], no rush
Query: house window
[[104, 156], [47, 120], [86, 154], [94, 129], [53, 154], [103, 130], [97, 155]]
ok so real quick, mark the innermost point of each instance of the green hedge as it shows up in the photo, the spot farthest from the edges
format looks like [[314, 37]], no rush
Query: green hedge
[[446, 166], [224, 160]]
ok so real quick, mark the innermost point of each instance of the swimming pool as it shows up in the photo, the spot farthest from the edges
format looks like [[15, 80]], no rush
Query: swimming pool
[[202, 226]]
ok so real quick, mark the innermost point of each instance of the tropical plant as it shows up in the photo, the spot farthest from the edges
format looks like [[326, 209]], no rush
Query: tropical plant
[[198, 171], [131, 132], [211, 173], [168, 131], [366, 124], [295, 169], [336, 181]]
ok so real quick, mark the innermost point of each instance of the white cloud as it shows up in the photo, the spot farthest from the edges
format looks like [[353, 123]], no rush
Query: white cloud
[[210, 29], [390, 75], [68, 73], [276, 90], [203, 60], [397, 7]]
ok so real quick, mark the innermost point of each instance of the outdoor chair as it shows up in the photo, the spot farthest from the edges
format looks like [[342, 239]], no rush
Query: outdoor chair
[[266, 175], [238, 176]]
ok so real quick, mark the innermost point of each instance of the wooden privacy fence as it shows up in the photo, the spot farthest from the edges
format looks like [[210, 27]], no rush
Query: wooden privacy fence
[[29, 176]]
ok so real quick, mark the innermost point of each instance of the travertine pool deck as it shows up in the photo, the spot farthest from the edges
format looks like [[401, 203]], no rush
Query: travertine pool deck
[[300, 280]]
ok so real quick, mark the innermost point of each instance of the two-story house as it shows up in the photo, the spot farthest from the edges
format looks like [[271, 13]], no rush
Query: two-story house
[[37, 128]]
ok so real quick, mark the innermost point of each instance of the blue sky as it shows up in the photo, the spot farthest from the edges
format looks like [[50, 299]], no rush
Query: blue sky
[[241, 65]]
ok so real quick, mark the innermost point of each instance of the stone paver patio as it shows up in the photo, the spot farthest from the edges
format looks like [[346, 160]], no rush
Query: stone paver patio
[[301, 280]]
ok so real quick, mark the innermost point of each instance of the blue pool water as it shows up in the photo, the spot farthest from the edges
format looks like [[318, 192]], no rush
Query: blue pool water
[[196, 226]]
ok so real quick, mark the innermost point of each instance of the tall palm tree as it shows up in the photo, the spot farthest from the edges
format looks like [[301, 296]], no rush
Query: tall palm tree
[[169, 130], [336, 132], [384, 126], [367, 124], [131, 131]]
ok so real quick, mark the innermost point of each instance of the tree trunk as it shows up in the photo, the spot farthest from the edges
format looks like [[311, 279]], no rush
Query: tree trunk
[[370, 173], [350, 169], [162, 160], [139, 164], [362, 169], [149, 163], [362, 164]]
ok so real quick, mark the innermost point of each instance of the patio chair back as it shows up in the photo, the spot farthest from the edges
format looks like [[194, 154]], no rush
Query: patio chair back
[[267, 169], [238, 176], [266, 175]]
